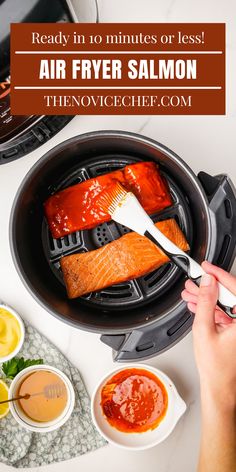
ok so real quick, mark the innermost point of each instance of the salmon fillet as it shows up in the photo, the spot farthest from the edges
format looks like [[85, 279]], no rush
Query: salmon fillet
[[77, 207], [126, 258]]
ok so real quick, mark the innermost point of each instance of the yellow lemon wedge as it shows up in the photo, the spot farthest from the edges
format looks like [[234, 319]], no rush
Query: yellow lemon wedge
[[4, 408]]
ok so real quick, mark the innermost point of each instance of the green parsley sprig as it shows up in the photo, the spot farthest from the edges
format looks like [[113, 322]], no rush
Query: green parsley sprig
[[17, 364]]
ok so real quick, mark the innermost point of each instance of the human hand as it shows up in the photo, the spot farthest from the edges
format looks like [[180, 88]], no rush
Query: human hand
[[214, 335]]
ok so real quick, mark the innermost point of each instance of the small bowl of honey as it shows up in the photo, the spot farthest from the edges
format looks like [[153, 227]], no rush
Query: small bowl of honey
[[136, 407], [45, 398]]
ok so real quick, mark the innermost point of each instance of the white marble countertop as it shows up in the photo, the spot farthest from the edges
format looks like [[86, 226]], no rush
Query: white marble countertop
[[206, 143]]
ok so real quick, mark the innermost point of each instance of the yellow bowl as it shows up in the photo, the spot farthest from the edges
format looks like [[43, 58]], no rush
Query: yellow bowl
[[22, 337]]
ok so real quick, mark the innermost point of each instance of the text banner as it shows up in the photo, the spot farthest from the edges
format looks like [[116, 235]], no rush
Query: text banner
[[118, 69]]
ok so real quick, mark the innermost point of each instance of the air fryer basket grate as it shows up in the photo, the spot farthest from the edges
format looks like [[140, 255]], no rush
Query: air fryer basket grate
[[128, 294]]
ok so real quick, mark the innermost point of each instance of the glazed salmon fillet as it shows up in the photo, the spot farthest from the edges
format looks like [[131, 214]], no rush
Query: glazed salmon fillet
[[126, 258], [77, 207]]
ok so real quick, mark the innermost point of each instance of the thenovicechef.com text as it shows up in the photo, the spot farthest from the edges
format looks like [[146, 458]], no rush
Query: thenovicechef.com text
[[111, 101]]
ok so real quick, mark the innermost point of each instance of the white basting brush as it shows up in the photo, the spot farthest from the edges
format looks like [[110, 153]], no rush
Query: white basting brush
[[125, 209]]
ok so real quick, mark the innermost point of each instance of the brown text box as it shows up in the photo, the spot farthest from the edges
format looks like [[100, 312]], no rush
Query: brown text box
[[206, 91]]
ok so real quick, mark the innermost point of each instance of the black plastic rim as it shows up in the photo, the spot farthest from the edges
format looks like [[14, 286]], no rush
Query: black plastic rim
[[37, 133]]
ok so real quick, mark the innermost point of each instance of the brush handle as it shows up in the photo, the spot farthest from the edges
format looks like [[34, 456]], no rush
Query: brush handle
[[14, 399], [132, 215], [226, 299]]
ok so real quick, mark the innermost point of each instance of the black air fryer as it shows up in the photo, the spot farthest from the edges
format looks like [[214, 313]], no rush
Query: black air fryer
[[20, 135], [139, 318]]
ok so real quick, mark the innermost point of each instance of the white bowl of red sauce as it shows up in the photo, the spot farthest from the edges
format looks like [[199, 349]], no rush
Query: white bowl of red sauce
[[136, 406]]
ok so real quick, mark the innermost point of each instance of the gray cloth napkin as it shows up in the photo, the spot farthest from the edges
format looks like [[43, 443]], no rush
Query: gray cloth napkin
[[22, 448]]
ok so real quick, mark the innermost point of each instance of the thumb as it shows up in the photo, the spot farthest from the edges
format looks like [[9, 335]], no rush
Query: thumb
[[206, 304]]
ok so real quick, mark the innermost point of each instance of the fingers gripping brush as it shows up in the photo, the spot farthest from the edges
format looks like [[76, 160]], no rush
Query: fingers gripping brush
[[124, 208]]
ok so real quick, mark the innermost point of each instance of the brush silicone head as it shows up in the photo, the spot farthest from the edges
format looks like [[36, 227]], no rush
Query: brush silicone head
[[125, 208], [112, 198]]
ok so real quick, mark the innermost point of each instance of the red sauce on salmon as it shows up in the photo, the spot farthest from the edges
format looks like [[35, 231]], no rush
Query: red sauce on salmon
[[134, 401], [77, 207]]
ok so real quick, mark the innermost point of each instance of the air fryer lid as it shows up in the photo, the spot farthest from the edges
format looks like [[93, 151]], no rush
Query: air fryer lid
[[10, 125], [37, 256], [24, 11], [22, 134]]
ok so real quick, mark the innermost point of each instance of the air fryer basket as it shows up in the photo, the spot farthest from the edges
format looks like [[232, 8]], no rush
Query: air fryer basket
[[134, 304], [134, 293]]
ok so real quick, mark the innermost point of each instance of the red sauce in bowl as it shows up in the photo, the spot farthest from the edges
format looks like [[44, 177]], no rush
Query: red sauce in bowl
[[134, 400]]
